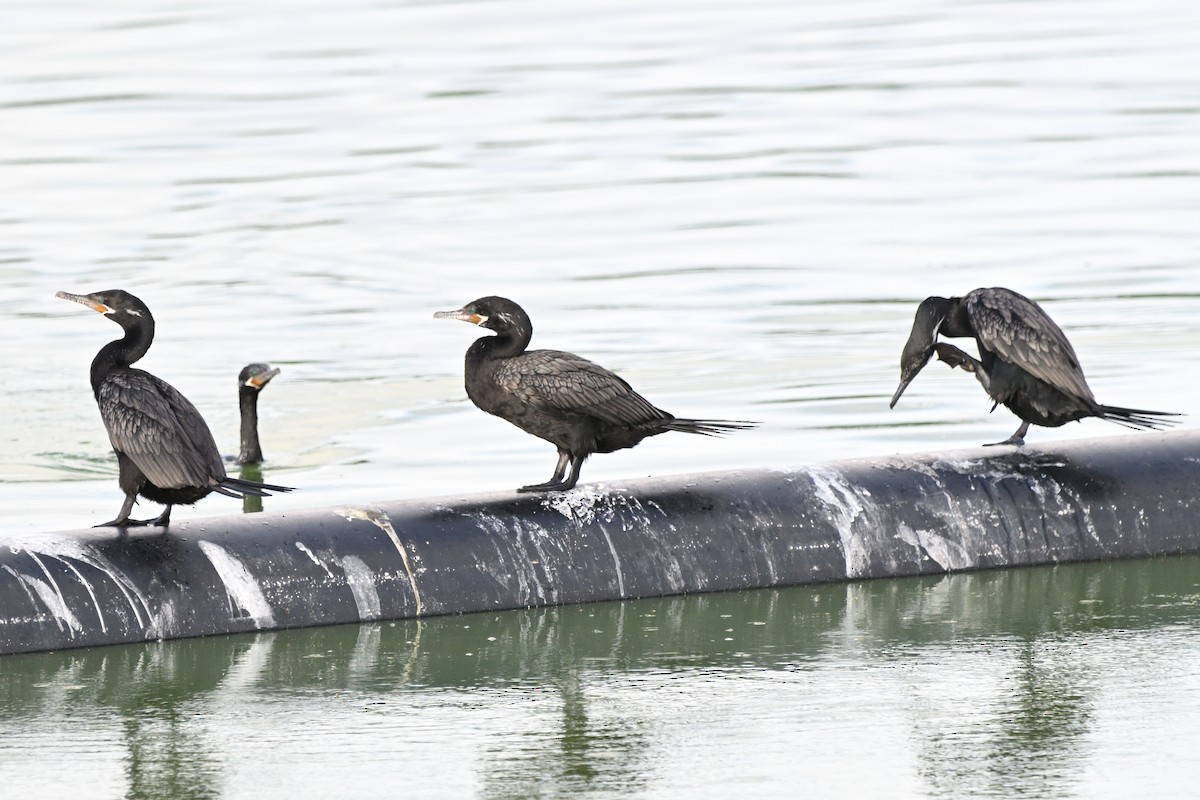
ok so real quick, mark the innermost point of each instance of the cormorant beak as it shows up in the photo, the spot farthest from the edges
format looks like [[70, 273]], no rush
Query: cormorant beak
[[262, 379], [910, 368], [84, 300], [462, 314]]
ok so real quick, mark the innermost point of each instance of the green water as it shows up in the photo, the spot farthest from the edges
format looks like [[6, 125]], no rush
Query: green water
[[1072, 681]]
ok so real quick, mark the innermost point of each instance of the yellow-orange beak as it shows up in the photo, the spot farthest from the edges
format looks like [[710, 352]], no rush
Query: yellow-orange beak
[[463, 315]]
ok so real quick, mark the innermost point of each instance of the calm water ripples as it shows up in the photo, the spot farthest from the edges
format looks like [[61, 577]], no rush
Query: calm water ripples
[[737, 206], [1049, 682]]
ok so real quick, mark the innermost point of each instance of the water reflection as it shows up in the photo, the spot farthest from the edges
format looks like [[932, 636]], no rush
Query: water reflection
[[251, 472], [580, 697]]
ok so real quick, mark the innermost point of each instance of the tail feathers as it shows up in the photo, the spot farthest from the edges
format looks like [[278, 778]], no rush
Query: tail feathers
[[708, 427], [237, 487], [1139, 418]]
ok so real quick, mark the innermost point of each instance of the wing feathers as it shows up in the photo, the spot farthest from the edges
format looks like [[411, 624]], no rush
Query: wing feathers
[[1020, 332], [160, 430], [556, 381]]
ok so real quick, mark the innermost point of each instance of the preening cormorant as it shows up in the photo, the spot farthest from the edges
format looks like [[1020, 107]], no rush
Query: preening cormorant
[[165, 451], [576, 405], [1025, 362], [251, 380]]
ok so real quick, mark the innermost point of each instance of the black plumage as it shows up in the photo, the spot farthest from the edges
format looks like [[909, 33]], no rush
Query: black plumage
[[576, 405], [165, 451], [251, 380], [1025, 362]]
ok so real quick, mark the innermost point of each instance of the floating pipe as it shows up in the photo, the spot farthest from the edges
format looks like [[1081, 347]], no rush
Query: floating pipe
[[1123, 497]]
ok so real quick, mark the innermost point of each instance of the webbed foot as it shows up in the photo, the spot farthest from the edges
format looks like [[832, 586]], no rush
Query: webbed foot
[[955, 357], [1015, 441], [548, 486]]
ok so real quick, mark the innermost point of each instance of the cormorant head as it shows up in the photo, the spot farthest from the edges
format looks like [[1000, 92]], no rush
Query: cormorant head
[[495, 313], [254, 377], [117, 304], [919, 347]]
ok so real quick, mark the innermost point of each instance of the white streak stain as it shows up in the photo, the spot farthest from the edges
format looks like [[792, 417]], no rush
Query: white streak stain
[[20, 581], [313, 558], [584, 506], [361, 581], [62, 548], [242, 588], [54, 603], [616, 561], [91, 594], [844, 506], [57, 604], [523, 570], [381, 520]]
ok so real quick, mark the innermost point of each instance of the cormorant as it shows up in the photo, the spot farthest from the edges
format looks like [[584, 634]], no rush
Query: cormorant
[[1025, 362], [576, 405], [251, 380], [165, 451]]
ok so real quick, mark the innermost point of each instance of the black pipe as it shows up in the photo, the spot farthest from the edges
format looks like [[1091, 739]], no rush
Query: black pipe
[[1123, 497]]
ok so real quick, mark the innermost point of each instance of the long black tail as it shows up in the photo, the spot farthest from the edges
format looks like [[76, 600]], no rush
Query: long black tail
[[237, 487], [1138, 418], [708, 427]]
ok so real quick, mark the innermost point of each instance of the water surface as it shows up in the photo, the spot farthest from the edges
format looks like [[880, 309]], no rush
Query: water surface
[[735, 205], [1070, 681]]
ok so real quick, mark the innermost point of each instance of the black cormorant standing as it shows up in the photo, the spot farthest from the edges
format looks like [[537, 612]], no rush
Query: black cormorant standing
[[251, 380], [165, 451], [579, 407], [1025, 362]]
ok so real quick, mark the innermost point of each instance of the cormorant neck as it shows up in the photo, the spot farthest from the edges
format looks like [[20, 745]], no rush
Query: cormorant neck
[[505, 344], [956, 322], [122, 352], [251, 451]]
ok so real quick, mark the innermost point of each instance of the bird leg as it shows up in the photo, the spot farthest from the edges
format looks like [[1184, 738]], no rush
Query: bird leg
[[1017, 439], [163, 519], [556, 482], [123, 519]]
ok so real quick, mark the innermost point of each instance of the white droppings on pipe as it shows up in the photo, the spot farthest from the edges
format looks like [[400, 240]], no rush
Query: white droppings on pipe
[[844, 507], [361, 581], [947, 553], [55, 604], [91, 594], [58, 604], [380, 519], [313, 558], [509, 537], [242, 588], [68, 548], [616, 561]]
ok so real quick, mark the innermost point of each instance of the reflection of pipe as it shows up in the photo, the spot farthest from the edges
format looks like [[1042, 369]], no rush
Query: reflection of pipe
[[251, 504], [1122, 497]]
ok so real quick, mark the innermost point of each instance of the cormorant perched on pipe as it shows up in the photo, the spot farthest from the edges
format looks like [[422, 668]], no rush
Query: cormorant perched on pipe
[[1025, 362], [165, 451], [576, 405], [251, 380]]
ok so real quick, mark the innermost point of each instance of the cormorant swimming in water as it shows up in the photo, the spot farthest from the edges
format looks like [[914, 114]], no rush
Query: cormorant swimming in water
[[165, 451], [251, 380], [576, 405], [1025, 362]]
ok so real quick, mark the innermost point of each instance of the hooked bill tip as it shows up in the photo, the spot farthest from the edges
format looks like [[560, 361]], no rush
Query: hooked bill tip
[[262, 379], [459, 314], [83, 300]]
